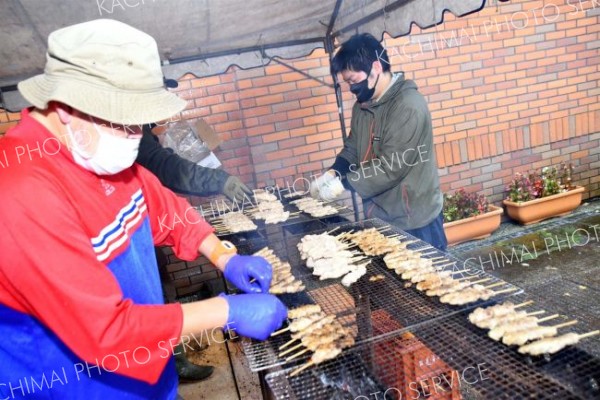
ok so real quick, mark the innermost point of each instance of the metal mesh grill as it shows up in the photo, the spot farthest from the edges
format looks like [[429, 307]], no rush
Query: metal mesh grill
[[355, 304], [590, 278], [570, 300], [571, 297], [296, 224], [439, 359]]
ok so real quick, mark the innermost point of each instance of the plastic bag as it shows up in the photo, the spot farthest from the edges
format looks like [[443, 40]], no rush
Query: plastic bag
[[184, 141]]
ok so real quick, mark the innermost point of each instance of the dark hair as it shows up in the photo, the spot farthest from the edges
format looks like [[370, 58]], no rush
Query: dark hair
[[358, 54]]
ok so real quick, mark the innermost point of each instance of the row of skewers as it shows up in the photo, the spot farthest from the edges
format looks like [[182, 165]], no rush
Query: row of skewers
[[516, 328], [314, 331], [373, 242], [426, 272], [315, 208], [269, 208], [238, 221], [329, 258], [283, 280], [233, 222], [431, 277]]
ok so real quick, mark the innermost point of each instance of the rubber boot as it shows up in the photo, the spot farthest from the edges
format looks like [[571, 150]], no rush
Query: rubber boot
[[188, 371]]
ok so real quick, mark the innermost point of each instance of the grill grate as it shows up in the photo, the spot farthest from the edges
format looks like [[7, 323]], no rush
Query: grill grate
[[590, 278], [569, 299], [387, 356], [355, 304], [406, 365], [296, 224]]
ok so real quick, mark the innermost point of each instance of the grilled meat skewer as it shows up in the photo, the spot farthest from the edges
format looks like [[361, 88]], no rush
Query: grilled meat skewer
[[540, 332], [518, 325], [303, 311], [553, 344], [498, 310]]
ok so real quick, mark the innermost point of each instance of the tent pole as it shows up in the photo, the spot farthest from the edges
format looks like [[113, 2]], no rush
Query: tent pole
[[292, 68], [340, 105]]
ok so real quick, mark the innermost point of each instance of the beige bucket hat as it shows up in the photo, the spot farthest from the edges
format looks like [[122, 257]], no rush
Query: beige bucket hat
[[106, 69]]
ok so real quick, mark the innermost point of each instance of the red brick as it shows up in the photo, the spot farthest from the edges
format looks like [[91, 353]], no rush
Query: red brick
[[274, 137], [318, 137], [314, 101], [297, 94], [317, 119], [254, 92], [305, 130], [448, 154], [257, 111], [283, 88], [322, 155], [271, 99], [260, 130]]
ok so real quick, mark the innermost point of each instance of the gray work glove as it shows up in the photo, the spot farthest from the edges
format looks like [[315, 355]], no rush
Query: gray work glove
[[234, 189]]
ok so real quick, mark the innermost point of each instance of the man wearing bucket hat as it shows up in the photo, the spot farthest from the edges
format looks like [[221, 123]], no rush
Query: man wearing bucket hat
[[81, 307]]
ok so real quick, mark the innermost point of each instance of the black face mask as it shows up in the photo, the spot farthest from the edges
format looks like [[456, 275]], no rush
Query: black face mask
[[361, 89]]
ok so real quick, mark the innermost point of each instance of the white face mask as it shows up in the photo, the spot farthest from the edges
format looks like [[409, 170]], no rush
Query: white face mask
[[113, 153]]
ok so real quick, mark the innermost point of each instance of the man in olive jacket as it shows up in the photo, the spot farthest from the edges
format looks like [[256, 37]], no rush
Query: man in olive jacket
[[388, 157]]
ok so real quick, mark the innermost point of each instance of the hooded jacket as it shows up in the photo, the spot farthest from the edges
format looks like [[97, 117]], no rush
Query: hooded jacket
[[389, 157]]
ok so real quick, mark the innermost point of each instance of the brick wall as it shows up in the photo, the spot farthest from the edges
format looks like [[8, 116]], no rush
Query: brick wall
[[510, 88]]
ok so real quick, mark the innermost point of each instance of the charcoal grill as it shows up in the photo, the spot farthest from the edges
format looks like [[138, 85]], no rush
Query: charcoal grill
[[442, 359], [355, 304], [405, 337], [297, 224]]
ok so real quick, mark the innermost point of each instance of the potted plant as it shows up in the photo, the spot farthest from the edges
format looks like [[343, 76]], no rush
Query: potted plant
[[469, 216], [539, 196]]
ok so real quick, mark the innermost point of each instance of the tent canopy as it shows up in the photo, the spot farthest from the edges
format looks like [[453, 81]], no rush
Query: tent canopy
[[205, 37]]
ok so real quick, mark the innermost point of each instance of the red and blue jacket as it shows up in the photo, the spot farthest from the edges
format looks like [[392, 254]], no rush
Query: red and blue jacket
[[81, 306]]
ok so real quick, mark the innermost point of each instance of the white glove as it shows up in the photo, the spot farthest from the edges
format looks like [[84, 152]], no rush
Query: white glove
[[326, 187], [332, 189], [315, 185]]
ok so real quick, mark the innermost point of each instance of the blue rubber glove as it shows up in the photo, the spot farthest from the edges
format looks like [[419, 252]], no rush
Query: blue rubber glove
[[254, 315], [240, 270]]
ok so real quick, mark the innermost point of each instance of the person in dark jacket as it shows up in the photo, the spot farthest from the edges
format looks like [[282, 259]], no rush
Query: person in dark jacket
[[388, 158], [185, 177]]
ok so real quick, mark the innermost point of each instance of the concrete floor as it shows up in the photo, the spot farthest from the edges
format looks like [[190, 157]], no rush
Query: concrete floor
[[221, 385]]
